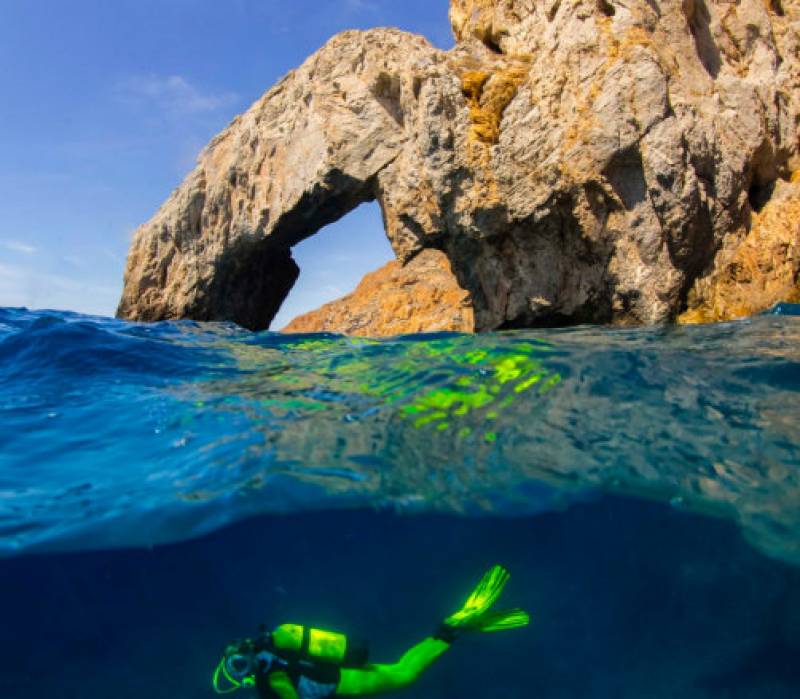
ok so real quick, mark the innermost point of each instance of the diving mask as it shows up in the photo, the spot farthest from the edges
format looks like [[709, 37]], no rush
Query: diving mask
[[240, 663]]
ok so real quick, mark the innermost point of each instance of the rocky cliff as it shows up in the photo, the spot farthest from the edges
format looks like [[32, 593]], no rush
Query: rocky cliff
[[576, 161]]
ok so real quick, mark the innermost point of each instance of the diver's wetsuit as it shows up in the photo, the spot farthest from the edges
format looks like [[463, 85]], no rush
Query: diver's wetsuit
[[303, 680], [297, 662]]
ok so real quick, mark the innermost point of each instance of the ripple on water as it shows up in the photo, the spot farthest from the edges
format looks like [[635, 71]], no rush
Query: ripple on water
[[118, 434]]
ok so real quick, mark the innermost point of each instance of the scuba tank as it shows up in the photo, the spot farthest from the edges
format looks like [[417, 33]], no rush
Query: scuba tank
[[296, 642]]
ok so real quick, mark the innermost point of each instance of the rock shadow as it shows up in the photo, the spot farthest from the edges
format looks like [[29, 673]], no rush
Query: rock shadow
[[699, 20], [625, 174]]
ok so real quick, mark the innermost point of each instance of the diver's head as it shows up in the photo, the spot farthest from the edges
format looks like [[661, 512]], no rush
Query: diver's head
[[241, 661]]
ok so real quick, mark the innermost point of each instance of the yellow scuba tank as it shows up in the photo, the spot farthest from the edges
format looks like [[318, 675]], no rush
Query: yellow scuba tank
[[318, 646]]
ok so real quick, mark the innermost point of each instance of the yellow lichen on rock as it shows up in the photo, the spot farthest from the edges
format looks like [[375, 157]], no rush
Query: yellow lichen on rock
[[420, 296], [472, 83], [488, 87], [488, 95], [764, 268], [473, 18]]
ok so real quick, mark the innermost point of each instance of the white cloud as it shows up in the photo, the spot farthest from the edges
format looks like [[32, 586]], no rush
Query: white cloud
[[31, 288], [173, 94], [17, 246]]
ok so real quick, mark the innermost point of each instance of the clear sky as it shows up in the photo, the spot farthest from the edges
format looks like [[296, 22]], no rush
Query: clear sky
[[104, 106]]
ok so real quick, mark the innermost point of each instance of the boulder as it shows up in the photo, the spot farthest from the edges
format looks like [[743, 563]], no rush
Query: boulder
[[419, 296]]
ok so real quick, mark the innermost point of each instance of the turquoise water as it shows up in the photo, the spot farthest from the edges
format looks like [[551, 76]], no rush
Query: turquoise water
[[166, 487]]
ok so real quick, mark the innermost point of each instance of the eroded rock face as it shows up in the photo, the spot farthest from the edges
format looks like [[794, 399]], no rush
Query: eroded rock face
[[420, 296], [590, 161], [760, 270]]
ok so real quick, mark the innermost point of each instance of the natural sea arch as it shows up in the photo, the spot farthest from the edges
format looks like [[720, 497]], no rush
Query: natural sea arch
[[303, 156], [333, 262]]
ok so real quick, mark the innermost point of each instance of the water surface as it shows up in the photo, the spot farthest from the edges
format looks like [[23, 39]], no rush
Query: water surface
[[165, 488], [117, 434]]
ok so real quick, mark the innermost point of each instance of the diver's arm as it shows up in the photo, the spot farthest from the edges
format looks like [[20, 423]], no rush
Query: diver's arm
[[375, 678], [280, 683]]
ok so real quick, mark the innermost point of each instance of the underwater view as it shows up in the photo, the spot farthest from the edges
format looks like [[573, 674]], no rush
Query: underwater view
[[167, 488]]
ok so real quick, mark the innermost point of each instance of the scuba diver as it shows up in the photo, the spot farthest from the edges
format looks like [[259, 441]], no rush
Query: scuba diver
[[295, 662]]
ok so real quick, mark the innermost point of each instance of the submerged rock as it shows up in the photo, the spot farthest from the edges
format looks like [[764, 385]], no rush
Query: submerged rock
[[591, 161]]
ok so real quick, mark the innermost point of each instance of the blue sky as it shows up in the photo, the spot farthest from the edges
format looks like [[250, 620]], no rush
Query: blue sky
[[104, 106]]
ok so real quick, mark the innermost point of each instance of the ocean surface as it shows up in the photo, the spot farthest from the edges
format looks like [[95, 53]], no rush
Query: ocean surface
[[165, 488]]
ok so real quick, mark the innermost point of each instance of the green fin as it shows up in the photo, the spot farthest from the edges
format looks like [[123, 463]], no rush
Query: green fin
[[481, 599], [504, 620]]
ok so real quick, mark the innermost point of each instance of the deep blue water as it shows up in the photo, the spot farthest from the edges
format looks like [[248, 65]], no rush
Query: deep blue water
[[166, 487]]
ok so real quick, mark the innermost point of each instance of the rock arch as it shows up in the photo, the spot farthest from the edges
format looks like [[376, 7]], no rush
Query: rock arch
[[317, 145], [573, 163]]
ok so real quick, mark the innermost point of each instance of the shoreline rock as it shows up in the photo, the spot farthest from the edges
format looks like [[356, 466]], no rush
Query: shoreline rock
[[752, 276], [575, 162], [419, 296]]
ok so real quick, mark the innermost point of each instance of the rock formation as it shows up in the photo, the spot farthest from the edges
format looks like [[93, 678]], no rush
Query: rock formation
[[581, 161], [421, 296], [752, 275]]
